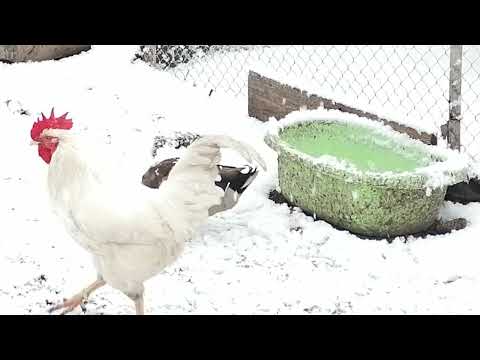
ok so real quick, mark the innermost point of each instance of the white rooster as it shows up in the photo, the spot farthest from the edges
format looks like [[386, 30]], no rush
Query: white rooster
[[133, 232]]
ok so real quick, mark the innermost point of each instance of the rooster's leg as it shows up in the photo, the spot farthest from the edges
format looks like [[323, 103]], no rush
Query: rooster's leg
[[78, 299], [138, 300], [139, 306]]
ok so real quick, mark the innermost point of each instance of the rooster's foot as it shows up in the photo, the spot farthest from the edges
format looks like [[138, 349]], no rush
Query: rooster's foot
[[70, 304], [77, 300]]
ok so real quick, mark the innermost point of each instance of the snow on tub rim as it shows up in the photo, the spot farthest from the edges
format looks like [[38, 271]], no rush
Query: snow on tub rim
[[361, 175]]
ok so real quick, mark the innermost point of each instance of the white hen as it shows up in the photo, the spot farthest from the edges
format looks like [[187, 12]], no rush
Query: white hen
[[133, 232]]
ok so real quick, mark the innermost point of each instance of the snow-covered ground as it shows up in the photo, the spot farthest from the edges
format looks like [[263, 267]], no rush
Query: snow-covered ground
[[256, 258]]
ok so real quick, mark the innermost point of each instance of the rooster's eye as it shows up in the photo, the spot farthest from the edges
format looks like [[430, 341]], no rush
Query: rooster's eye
[[50, 139]]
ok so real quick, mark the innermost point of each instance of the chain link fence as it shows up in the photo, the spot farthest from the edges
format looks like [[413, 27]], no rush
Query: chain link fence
[[470, 101], [410, 79]]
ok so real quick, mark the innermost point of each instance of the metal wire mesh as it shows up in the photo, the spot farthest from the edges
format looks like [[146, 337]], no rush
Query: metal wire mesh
[[411, 79], [470, 122]]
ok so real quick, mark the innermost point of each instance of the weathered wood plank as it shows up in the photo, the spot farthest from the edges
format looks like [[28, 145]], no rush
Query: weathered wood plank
[[455, 90], [270, 98], [22, 53]]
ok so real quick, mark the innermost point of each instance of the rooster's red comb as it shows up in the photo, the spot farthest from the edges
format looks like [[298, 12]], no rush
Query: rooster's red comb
[[50, 123]]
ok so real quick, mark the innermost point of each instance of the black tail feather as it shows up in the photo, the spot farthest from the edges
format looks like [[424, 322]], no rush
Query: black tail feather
[[236, 178]]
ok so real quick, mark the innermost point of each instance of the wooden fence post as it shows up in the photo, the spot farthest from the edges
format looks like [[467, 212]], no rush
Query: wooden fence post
[[452, 130]]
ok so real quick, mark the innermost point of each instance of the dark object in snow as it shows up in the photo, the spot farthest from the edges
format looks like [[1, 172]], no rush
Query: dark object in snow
[[445, 227], [16, 107], [232, 180], [170, 56], [23, 53], [464, 192], [278, 198], [83, 306], [179, 140], [439, 227]]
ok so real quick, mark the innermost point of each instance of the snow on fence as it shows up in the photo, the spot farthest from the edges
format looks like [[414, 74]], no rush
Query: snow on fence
[[434, 87]]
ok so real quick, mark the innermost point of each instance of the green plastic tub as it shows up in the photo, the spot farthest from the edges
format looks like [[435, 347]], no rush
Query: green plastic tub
[[360, 175]]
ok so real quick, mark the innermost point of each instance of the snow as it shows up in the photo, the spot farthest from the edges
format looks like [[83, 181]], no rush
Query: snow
[[258, 258]]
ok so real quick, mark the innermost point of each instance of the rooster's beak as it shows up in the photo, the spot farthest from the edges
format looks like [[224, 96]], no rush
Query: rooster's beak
[[33, 142]]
